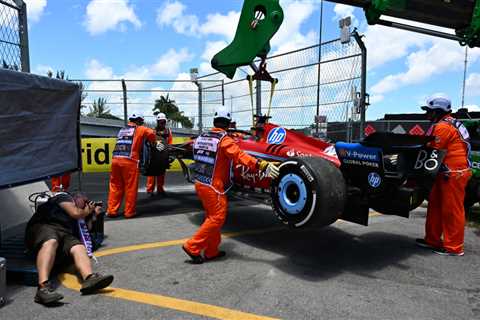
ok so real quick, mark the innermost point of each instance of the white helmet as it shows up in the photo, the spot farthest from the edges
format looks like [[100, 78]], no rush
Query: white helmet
[[222, 112], [161, 116], [136, 116], [438, 101]]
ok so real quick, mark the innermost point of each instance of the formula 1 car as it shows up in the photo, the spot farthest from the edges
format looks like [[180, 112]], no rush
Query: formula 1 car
[[321, 182]]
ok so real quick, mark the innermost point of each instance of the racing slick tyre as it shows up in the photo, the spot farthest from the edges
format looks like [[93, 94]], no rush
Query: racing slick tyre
[[308, 191]]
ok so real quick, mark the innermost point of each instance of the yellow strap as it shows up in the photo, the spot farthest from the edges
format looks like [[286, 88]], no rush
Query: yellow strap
[[272, 91], [250, 85]]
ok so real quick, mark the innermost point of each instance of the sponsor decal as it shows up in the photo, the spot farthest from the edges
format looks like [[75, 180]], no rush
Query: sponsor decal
[[249, 175], [277, 136], [369, 130], [97, 154], [296, 153], [427, 161], [374, 180], [417, 131], [360, 156], [307, 173]]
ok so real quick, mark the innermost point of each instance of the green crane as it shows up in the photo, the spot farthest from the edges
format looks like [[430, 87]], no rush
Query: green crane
[[261, 19]]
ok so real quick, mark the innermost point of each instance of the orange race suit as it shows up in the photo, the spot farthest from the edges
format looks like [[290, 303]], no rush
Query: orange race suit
[[61, 183], [214, 153], [165, 137], [446, 213], [124, 175]]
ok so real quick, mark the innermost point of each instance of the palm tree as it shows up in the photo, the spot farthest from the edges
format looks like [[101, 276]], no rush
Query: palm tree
[[169, 107], [99, 109]]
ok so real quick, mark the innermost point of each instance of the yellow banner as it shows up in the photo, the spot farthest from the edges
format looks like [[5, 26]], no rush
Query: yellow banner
[[97, 154]]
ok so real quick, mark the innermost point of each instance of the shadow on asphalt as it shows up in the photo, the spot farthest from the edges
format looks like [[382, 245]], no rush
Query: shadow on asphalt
[[315, 254]]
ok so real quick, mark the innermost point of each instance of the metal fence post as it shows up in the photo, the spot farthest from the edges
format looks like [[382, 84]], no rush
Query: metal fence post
[[259, 97], [363, 89], [200, 108], [125, 103], [23, 36], [223, 92]]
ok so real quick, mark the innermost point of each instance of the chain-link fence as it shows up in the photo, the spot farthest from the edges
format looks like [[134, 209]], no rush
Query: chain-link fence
[[118, 98], [14, 35], [301, 94]]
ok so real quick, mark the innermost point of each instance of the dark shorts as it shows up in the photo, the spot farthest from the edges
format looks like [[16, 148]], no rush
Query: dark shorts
[[38, 234]]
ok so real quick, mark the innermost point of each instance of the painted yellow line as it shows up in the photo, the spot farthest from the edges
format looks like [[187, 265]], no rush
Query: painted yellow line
[[71, 282], [155, 245]]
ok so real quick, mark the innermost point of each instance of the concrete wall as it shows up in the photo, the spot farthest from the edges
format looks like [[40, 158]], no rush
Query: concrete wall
[[15, 208]]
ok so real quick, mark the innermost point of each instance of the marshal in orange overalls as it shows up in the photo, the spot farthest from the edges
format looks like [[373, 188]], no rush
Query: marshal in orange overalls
[[165, 137], [446, 214], [61, 183], [211, 187], [124, 175]]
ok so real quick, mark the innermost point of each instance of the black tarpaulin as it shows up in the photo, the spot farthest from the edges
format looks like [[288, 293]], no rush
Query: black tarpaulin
[[39, 127]]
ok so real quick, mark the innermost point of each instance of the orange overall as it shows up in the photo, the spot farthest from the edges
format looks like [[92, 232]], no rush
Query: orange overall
[[164, 136], [446, 214], [61, 183], [213, 197], [124, 174]]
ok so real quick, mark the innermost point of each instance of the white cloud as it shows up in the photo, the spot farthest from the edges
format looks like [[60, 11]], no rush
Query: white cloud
[[444, 56], [473, 85], [105, 15], [376, 99], [96, 70], [223, 25], [172, 14], [169, 63], [296, 13], [35, 9]]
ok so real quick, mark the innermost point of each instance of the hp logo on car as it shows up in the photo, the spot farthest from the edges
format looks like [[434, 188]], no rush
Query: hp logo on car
[[374, 180], [277, 136]]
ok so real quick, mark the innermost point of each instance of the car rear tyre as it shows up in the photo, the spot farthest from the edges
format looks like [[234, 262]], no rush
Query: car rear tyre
[[309, 191]]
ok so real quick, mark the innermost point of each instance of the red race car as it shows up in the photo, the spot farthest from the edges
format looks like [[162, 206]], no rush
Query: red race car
[[321, 182]]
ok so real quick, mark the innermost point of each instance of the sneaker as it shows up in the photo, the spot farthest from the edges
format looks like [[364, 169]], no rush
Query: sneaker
[[196, 259], [220, 254], [111, 215], [130, 216], [46, 295], [422, 243], [444, 252], [95, 282]]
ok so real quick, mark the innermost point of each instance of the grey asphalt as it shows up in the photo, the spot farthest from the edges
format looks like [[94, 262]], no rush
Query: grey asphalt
[[344, 271]]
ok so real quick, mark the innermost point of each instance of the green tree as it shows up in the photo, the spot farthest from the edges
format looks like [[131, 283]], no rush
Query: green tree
[[99, 109], [169, 107]]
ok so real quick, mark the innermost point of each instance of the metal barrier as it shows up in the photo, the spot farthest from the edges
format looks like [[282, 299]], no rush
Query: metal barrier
[[122, 97], [337, 95], [14, 36]]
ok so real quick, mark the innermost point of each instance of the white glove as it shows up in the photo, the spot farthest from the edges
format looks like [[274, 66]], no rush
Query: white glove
[[160, 146], [272, 171]]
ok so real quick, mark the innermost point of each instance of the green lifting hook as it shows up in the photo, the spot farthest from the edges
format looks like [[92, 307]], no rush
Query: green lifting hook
[[259, 21]]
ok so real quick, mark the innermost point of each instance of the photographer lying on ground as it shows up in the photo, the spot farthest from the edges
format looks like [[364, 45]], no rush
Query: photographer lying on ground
[[55, 233]]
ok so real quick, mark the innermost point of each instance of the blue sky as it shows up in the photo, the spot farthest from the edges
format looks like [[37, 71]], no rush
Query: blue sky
[[158, 39]]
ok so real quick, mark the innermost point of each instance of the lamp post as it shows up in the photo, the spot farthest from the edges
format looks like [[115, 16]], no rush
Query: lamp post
[[194, 79]]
